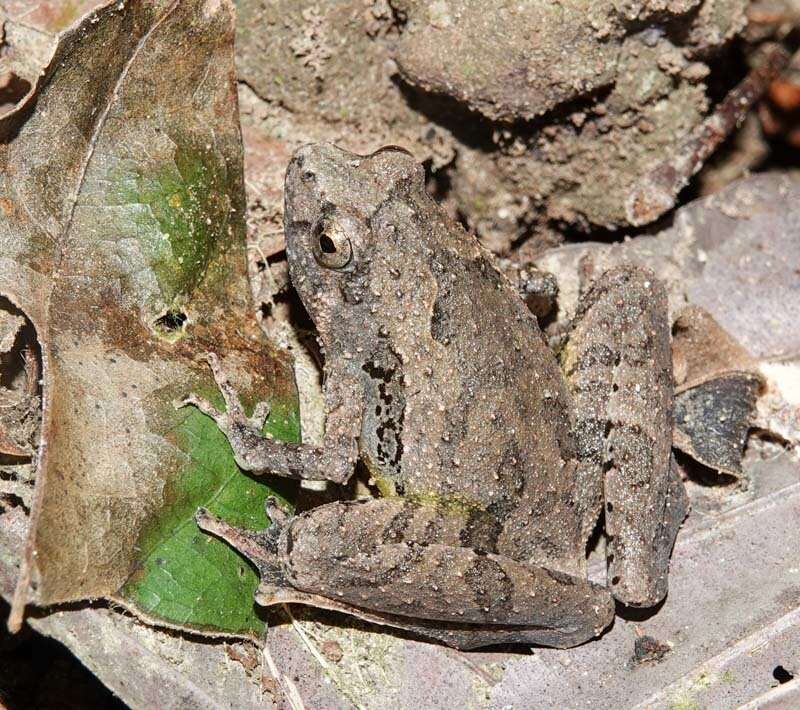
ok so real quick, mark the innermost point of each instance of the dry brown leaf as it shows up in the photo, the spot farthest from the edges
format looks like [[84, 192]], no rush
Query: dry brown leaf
[[122, 239]]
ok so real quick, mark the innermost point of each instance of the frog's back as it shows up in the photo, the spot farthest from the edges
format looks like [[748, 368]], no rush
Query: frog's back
[[468, 407]]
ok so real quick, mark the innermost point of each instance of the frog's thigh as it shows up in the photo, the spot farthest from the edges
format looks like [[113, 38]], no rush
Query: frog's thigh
[[396, 557], [619, 367]]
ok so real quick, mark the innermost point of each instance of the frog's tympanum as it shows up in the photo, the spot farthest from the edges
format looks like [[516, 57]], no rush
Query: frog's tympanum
[[493, 462]]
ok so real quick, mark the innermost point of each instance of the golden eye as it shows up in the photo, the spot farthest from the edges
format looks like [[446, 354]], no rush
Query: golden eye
[[332, 248]]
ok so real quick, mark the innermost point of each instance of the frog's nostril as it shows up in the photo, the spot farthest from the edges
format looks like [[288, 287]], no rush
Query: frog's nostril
[[308, 177]]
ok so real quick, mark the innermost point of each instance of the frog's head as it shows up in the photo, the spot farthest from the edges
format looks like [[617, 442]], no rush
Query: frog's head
[[331, 196]]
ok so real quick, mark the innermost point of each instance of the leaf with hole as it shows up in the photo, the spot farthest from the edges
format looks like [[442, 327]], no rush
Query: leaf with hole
[[122, 240]]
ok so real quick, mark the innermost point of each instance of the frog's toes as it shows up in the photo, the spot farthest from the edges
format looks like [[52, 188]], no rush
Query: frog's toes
[[202, 404], [211, 523], [232, 402], [259, 547], [260, 414], [278, 515]]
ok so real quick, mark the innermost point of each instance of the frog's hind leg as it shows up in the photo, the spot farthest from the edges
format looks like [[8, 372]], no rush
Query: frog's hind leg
[[260, 547], [618, 364], [404, 563]]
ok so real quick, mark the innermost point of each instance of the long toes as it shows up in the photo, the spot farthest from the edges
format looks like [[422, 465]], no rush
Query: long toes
[[207, 521], [232, 402], [275, 512], [203, 405], [260, 414], [210, 523], [248, 543], [216, 368]]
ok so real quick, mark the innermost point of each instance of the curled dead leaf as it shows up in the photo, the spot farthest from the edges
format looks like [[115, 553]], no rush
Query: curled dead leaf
[[122, 241]]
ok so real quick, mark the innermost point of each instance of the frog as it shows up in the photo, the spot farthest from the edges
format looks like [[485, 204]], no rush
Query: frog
[[493, 460]]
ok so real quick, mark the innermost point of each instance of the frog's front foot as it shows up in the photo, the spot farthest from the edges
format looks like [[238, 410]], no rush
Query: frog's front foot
[[234, 414], [243, 540], [243, 432]]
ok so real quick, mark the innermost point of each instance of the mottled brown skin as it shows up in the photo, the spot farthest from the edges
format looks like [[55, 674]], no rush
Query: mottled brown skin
[[438, 378], [618, 363]]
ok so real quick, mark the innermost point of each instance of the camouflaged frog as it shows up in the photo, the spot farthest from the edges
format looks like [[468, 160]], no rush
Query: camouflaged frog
[[493, 463]]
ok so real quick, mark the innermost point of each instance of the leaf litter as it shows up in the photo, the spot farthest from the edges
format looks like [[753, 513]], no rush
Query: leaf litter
[[122, 241]]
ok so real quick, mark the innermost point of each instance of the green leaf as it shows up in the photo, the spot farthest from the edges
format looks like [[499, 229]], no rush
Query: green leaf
[[188, 577]]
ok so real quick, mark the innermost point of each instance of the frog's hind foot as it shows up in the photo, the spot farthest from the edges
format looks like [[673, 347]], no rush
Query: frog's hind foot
[[260, 547], [278, 515], [234, 414]]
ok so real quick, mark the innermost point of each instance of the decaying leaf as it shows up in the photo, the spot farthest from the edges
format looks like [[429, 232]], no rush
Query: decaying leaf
[[716, 386], [28, 39], [10, 325], [47, 16], [19, 385], [713, 419], [122, 240]]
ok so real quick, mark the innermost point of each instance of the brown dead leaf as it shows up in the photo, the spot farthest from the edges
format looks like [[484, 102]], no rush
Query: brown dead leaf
[[703, 350], [716, 386], [29, 33], [122, 240], [19, 384], [10, 325]]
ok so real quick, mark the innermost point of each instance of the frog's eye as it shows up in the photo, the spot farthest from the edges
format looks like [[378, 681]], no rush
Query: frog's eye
[[331, 245]]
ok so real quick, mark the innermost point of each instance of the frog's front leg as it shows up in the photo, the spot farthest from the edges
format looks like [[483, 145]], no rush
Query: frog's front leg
[[618, 364], [254, 452]]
